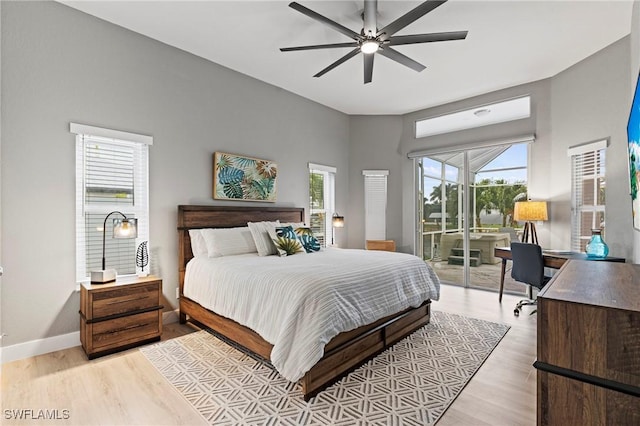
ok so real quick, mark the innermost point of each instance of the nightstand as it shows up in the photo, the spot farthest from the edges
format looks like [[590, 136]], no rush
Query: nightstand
[[120, 315]]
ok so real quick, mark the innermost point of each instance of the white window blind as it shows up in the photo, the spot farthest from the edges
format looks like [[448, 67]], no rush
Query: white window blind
[[321, 202], [111, 175], [587, 192], [375, 200]]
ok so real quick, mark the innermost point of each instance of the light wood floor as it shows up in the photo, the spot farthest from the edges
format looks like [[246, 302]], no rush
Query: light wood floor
[[125, 389]]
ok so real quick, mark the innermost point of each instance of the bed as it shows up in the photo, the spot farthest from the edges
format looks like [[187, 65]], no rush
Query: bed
[[342, 352]]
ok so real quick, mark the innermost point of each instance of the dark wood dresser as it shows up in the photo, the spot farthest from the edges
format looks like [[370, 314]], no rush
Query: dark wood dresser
[[589, 345]]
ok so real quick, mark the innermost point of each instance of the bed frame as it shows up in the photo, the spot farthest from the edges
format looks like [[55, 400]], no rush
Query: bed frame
[[343, 353]]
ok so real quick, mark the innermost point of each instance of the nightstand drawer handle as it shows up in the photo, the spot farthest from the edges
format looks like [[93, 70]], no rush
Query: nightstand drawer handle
[[117, 302], [131, 327]]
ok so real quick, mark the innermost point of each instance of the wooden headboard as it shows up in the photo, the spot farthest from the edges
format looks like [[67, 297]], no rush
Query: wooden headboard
[[195, 217]]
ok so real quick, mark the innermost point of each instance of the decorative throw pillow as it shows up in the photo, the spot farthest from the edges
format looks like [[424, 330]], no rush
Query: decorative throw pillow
[[261, 232], [308, 240], [286, 241]]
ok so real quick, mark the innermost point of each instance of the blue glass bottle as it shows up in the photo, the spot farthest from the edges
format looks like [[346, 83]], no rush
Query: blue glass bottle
[[596, 247]]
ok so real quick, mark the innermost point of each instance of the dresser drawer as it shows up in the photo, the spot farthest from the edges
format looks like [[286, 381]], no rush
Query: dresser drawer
[[124, 330], [125, 299]]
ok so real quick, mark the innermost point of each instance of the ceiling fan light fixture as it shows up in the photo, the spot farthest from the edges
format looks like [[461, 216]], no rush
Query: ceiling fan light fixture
[[369, 46], [371, 40]]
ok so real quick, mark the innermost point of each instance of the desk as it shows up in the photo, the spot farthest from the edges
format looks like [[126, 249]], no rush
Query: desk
[[551, 260]]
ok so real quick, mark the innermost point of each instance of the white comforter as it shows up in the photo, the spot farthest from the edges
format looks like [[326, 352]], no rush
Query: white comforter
[[299, 303]]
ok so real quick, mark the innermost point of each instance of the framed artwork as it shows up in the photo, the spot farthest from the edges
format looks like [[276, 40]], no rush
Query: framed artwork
[[633, 132], [236, 177]]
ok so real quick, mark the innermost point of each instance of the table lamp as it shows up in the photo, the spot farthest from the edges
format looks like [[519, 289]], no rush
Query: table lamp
[[338, 222], [122, 228], [530, 211]]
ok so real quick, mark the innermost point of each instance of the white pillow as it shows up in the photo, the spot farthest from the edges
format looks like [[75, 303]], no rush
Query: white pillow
[[198, 246], [228, 241], [261, 237]]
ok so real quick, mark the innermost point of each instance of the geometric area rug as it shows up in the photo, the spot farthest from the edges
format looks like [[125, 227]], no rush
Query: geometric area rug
[[411, 383]]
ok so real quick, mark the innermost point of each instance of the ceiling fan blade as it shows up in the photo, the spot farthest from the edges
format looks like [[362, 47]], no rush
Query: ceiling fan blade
[[409, 17], [345, 58], [368, 67], [427, 38], [399, 57], [370, 17], [319, 46], [314, 15]]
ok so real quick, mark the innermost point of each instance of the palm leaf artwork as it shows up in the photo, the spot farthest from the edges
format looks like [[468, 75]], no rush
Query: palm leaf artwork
[[261, 188], [243, 178], [244, 162], [142, 255], [230, 175]]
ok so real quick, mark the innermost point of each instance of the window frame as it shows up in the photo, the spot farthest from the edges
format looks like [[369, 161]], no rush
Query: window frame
[[329, 209], [375, 204], [579, 157], [139, 208]]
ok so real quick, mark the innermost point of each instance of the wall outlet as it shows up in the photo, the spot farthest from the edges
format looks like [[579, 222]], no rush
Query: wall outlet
[[177, 293]]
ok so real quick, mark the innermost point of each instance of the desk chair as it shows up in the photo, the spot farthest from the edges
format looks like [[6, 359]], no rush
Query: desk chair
[[528, 268]]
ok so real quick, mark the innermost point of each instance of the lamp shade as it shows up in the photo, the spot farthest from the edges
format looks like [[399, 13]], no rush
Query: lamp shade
[[125, 228], [338, 221], [530, 211]]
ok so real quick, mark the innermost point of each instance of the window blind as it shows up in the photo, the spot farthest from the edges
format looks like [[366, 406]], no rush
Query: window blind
[[588, 187], [375, 199], [111, 175]]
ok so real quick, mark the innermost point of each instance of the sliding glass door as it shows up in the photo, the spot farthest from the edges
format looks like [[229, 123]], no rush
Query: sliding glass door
[[465, 210]]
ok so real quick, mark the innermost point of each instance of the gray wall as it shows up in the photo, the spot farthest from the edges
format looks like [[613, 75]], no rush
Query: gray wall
[[590, 101], [60, 65], [375, 142]]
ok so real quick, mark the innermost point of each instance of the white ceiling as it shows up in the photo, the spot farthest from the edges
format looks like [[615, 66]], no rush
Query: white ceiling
[[510, 42]]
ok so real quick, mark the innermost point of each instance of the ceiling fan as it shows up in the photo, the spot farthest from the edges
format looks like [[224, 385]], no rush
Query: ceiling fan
[[371, 40]]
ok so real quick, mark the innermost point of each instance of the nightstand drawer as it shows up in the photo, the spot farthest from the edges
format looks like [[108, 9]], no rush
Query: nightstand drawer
[[124, 330], [124, 299]]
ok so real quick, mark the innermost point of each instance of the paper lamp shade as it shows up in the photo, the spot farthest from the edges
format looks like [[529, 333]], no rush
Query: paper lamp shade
[[530, 211]]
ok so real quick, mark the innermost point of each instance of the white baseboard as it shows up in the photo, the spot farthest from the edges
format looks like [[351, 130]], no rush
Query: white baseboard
[[39, 347], [56, 343]]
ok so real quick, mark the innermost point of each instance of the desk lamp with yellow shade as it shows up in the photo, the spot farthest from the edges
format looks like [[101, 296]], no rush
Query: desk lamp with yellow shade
[[530, 211]]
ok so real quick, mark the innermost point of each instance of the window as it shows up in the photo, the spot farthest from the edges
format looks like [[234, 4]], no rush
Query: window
[[587, 192], [375, 202], [111, 175], [499, 112], [321, 201]]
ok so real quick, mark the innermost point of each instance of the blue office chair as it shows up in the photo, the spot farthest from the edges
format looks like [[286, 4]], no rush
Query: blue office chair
[[528, 268]]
